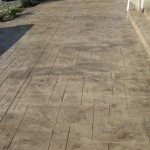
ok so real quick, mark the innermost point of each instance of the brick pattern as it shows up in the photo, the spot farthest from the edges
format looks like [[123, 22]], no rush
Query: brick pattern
[[78, 79]]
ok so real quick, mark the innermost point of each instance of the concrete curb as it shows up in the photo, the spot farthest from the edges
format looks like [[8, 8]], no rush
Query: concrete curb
[[140, 34]]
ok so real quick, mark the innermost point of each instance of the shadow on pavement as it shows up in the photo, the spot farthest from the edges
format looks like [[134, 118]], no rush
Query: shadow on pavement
[[10, 35]]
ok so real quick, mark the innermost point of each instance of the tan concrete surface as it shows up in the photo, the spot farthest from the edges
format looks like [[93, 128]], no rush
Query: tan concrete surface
[[75, 77]]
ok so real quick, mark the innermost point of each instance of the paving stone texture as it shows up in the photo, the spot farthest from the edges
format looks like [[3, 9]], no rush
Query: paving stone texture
[[78, 79]]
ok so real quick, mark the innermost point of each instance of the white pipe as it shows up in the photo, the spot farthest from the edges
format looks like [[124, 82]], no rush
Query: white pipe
[[142, 5], [128, 5]]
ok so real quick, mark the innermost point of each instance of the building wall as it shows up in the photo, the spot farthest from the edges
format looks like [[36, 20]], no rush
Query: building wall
[[146, 4], [141, 4], [136, 3]]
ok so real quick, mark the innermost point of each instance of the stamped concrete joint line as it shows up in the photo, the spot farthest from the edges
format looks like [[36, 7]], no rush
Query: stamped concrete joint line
[[74, 75]]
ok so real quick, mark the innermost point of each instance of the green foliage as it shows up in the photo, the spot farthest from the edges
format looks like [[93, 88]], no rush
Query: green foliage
[[7, 13], [29, 3], [6, 0], [25, 3]]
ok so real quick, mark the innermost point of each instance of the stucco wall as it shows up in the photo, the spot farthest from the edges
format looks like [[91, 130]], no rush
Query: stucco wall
[[136, 3], [141, 3], [146, 3]]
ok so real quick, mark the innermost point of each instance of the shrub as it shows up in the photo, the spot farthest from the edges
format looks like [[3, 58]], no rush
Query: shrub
[[6, 0], [7, 13], [29, 3]]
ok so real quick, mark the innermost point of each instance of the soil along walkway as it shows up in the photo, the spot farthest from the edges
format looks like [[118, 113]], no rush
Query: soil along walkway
[[74, 76]]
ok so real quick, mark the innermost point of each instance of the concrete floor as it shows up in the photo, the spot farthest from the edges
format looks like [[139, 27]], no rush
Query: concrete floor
[[74, 76]]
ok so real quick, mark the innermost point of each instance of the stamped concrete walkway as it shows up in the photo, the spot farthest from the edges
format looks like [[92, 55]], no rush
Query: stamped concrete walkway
[[75, 77]]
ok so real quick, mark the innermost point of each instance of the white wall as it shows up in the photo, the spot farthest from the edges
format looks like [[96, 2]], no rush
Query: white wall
[[141, 3], [146, 4], [136, 3]]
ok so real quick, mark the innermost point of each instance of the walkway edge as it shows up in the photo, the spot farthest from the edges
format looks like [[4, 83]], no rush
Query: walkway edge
[[147, 13], [140, 34]]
